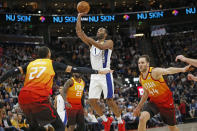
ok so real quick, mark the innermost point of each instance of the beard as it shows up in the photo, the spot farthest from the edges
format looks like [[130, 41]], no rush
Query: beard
[[77, 76], [99, 37]]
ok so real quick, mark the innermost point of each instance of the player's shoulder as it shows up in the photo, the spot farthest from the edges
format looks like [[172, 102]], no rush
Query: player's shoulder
[[109, 40]]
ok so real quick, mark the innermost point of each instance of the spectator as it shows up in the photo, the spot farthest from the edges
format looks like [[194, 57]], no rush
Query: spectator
[[182, 109], [192, 109]]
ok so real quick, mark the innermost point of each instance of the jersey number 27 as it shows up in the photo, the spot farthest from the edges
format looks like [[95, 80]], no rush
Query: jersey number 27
[[36, 72]]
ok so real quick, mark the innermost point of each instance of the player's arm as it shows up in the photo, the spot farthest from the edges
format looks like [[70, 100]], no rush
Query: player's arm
[[67, 85], [80, 32], [187, 60], [141, 103], [191, 77], [14, 72], [55, 103], [60, 67], [157, 73], [88, 40]]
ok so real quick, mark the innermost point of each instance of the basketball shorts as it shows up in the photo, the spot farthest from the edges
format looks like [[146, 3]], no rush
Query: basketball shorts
[[105, 84], [38, 110], [166, 114], [75, 116]]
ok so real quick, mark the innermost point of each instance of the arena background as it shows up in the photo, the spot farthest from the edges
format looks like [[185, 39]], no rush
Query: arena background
[[162, 29]]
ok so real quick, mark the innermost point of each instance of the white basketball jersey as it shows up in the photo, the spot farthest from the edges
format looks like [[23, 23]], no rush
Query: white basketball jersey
[[100, 59], [61, 107]]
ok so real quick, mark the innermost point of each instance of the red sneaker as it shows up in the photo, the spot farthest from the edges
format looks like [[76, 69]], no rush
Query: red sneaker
[[107, 124], [121, 126]]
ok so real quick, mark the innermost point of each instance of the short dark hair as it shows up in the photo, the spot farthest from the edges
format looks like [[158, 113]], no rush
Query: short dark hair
[[146, 57], [43, 52]]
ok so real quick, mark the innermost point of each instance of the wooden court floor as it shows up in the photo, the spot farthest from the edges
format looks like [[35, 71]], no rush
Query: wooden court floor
[[182, 127]]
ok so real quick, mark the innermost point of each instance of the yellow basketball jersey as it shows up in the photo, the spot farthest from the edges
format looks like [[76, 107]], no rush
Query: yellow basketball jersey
[[158, 89], [75, 93], [39, 76]]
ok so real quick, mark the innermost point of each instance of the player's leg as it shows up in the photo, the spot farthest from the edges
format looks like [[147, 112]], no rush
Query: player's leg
[[173, 128], [57, 124], [168, 116], [94, 95], [71, 128], [72, 114], [144, 117], [148, 111], [80, 120], [113, 106], [108, 91]]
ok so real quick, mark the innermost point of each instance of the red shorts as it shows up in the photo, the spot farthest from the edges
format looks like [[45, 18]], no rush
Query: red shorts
[[167, 114], [36, 108], [75, 116]]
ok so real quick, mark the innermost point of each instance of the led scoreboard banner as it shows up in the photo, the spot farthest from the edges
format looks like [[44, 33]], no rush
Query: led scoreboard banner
[[136, 16]]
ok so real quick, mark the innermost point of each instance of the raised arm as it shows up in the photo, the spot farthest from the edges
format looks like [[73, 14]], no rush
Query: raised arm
[[187, 60], [157, 73], [88, 40], [80, 32], [136, 112]]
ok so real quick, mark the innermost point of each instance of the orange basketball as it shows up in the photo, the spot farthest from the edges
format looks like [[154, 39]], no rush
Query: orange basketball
[[83, 7]]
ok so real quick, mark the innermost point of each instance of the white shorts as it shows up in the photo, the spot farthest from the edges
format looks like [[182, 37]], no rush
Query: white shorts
[[104, 83]]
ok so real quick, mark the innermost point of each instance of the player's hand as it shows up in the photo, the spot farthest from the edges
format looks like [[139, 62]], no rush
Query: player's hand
[[181, 58], [190, 77], [136, 112], [68, 105], [81, 14], [105, 71], [186, 68]]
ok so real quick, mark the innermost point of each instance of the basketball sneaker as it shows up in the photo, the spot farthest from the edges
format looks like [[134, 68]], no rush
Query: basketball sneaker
[[121, 126], [107, 124]]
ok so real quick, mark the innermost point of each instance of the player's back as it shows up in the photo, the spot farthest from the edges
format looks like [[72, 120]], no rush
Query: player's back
[[100, 59], [39, 77]]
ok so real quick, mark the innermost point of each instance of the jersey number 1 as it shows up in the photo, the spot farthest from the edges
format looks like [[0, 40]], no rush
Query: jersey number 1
[[38, 71]]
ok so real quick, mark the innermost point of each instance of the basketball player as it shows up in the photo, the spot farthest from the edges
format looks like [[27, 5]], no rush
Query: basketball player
[[60, 107], [161, 99], [100, 54], [33, 97], [73, 92], [192, 62]]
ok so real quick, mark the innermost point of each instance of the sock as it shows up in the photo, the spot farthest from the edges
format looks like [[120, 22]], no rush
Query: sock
[[104, 118], [119, 120]]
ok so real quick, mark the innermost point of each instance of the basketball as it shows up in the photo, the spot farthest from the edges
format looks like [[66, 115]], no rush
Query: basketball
[[83, 7]]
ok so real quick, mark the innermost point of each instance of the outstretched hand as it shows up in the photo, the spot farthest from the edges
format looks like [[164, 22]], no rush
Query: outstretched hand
[[180, 57], [190, 77], [186, 68], [105, 71]]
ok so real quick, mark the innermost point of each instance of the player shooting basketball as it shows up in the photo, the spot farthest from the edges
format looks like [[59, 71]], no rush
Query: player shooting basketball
[[100, 54]]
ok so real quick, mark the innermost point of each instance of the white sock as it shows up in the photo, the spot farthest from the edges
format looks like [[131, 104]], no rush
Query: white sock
[[119, 120], [104, 118]]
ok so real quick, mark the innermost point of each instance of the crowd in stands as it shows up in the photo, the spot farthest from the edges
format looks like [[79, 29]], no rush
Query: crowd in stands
[[124, 61], [100, 7]]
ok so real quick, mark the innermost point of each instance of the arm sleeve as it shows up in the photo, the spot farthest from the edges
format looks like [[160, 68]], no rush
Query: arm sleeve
[[62, 67], [10, 73], [59, 67], [83, 70]]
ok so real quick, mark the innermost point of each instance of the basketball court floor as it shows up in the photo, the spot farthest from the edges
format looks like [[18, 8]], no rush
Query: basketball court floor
[[182, 127]]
